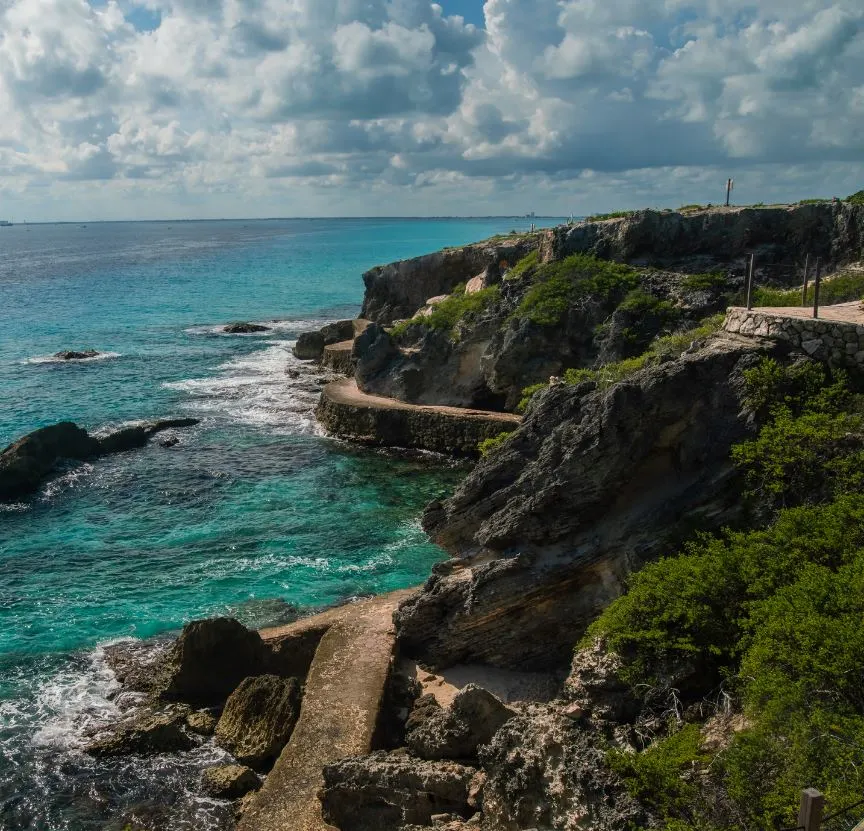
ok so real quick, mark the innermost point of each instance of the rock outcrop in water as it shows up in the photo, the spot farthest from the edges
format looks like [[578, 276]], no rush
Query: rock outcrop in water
[[26, 463], [73, 355], [245, 328]]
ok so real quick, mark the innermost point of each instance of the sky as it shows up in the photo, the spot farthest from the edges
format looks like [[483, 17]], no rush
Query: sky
[[134, 109]]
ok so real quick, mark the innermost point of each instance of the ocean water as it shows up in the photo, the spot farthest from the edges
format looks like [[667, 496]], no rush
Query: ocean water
[[253, 513]]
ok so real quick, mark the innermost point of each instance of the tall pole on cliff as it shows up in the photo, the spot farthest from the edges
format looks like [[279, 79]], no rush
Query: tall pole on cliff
[[730, 184]]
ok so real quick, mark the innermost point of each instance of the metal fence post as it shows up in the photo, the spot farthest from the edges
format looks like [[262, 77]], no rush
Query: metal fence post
[[816, 285], [750, 283], [812, 806], [806, 276]]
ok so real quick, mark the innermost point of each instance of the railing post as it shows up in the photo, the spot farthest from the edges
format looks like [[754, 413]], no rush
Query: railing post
[[750, 283], [812, 806], [816, 285], [806, 276]]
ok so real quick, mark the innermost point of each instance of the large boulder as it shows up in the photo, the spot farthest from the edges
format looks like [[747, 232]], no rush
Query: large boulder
[[471, 720], [25, 464], [146, 733], [229, 781], [386, 791], [310, 345], [209, 659], [545, 770], [258, 719]]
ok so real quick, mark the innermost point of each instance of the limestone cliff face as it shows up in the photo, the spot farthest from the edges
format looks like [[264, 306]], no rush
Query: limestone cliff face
[[397, 290], [704, 240], [546, 529]]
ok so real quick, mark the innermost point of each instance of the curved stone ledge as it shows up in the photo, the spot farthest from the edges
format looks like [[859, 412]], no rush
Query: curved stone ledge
[[836, 337], [337, 356], [350, 414]]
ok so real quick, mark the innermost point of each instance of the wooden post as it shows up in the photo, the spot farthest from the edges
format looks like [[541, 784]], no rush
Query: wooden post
[[806, 276], [750, 282], [812, 806], [816, 285]]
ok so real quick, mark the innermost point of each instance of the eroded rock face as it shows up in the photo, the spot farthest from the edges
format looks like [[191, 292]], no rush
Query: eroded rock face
[[210, 658], [474, 716], [258, 719], [386, 791], [146, 733], [594, 483], [544, 770], [398, 290], [202, 722], [229, 781]]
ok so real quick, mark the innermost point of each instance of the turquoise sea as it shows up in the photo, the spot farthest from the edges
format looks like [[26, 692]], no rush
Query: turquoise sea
[[253, 514]]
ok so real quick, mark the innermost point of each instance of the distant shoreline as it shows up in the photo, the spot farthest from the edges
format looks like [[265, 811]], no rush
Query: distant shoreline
[[282, 219]]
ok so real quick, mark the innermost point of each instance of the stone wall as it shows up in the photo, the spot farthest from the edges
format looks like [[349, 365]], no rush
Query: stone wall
[[836, 342], [360, 419]]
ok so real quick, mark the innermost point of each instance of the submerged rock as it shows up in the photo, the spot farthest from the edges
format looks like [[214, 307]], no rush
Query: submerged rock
[[456, 732], [258, 719], [137, 436], [244, 328], [229, 781], [210, 658], [72, 355], [147, 733], [386, 791]]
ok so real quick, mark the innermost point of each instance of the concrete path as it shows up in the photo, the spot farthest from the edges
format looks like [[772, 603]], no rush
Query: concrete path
[[345, 391], [344, 691], [851, 312]]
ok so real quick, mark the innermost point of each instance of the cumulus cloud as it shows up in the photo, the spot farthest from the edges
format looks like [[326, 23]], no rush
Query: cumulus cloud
[[399, 98]]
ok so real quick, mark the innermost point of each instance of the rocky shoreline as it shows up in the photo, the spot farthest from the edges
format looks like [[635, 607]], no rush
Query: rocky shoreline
[[476, 701]]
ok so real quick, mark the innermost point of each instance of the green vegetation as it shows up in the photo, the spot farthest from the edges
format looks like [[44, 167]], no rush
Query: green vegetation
[[663, 348], [713, 281], [837, 289], [770, 616], [812, 201], [856, 198], [528, 262], [648, 314], [612, 215], [486, 446], [456, 308], [559, 286]]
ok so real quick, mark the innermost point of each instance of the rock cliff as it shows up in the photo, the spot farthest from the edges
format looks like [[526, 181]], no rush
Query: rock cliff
[[546, 528], [398, 290]]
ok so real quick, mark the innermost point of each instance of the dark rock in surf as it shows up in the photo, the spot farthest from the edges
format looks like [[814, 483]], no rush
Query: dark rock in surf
[[245, 328], [229, 781], [137, 436], [72, 355], [147, 733]]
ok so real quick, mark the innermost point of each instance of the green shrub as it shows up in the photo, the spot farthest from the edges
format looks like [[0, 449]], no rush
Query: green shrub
[[657, 776], [528, 262], [486, 446], [856, 198], [838, 289], [527, 394], [714, 281], [612, 215], [812, 201], [560, 285], [456, 308], [688, 208]]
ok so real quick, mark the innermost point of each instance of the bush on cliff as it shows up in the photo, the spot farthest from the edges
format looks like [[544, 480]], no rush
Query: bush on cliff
[[486, 446], [458, 307], [562, 285], [772, 617], [839, 288]]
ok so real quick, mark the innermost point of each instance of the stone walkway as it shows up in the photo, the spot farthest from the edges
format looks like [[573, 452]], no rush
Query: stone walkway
[[852, 312], [344, 691], [345, 391]]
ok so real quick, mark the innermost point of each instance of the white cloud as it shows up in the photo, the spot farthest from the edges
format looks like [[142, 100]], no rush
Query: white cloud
[[226, 100]]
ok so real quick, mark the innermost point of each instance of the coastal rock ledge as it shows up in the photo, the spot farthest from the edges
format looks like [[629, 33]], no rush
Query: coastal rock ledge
[[348, 413]]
